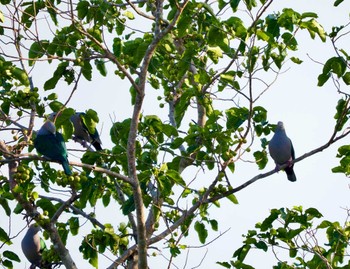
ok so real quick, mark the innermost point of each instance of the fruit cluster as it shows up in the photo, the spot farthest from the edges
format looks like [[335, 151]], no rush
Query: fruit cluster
[[75, 180], [24, 98], [24, 174]]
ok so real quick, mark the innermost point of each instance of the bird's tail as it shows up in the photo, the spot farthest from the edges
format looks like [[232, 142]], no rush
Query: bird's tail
[[66, 168], [290, 174], [97, 145]]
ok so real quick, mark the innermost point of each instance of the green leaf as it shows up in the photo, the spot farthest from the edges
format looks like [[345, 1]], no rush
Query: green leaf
[[51, 83], [18, 209], [324, 224], [83, 9], [55, 106], [117, 46], [201, 231], [344, 150], [129, 15], [322, 79], [128, 206], [94, 260], [290, 41], [293, 252], [236, 116], [296, 60], [231, 166], [46, 204], [5, 107], [169, 130], [215, 36], [273, 27], [314, 28], [184, 24], [261, 245], [20, 75], [87, 70], [313, 213], [63, 122], [250, 4], [336, 65], [214, 53], [267, 223], [7, 264], [59, 72], [11, 255], [338, 2], [237, 25], [309, 15], [346, 78], [242, 252], [214, 225], [176, 177], [74, 225], [262, 35], [228, 77], [106, 198], [37, 50], [5, 205], [224, 264], [52, 96], [4, 237], [234, 4], [261, 159], [101, 67]]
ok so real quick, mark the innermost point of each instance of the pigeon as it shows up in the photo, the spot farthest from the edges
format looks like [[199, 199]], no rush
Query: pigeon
[[33, 246], [282, 151], [50, 143], [81, 132]]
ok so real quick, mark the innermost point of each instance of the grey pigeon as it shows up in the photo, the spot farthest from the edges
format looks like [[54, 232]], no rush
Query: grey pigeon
[[282, 151], [81, 132], [33, 245]]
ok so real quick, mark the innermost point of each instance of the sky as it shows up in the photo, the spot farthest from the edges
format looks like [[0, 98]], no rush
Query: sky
[[307, 112]]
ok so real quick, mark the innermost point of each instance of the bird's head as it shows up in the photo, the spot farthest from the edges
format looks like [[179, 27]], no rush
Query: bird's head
[[49, 127], [35, 228], [280, 126]]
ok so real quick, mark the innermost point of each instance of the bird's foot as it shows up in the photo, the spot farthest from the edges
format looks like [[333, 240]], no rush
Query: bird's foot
[[289, 163], [277, 168]]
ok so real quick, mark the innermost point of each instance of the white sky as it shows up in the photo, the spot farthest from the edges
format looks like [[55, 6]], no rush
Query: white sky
[[307, 112]]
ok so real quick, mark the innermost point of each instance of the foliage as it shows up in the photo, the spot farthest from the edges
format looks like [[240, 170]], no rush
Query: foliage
[[196, 55], [294, 231]]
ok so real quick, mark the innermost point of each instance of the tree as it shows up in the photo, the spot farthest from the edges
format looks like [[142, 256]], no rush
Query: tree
[[294, 230], [210, 63]]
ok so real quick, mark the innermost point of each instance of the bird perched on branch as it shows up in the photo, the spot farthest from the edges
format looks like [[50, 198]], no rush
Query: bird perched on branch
[[50, 143], [33, 246], [282, 151], [82, 133]]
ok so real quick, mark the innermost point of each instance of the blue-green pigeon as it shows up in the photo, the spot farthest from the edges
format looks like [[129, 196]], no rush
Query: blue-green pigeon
[[282, 151], [50, 143], [33, 246], [82, 133]]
